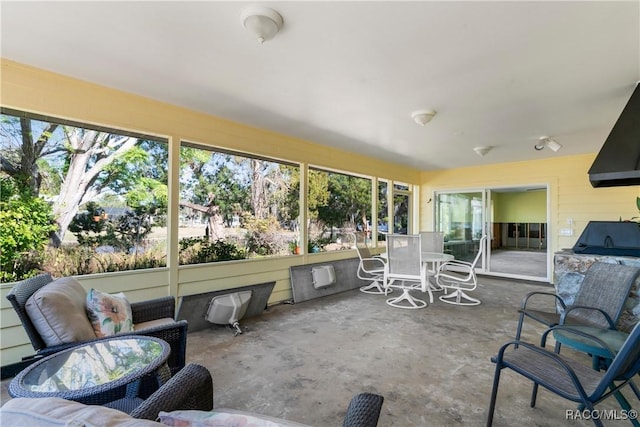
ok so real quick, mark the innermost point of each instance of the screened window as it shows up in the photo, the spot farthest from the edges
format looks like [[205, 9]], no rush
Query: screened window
[[103, 193], [338, 204], [383, 209], [401, 208], [233, 206]]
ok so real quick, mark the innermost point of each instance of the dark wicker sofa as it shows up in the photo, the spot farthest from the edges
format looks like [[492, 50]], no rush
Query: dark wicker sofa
[[190, 389]]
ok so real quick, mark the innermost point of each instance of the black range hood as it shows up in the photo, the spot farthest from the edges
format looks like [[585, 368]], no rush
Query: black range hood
[[618, 162]]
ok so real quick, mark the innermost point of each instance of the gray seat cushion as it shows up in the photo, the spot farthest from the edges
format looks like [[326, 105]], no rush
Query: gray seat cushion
[[58, 312]]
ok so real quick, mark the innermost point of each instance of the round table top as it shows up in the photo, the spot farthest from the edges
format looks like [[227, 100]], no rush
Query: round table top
[[435, 257], [428, 256], [91, 368]]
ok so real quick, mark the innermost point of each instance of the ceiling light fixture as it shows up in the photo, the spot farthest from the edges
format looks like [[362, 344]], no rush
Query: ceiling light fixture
[[482, 151], [262, 22], [546, 141], [422, 117]]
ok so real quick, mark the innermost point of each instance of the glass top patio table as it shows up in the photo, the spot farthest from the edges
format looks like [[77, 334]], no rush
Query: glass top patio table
[[435, 259], [94, 373]]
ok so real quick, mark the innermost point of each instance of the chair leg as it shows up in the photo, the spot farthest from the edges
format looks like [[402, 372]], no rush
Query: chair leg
[[494, 394], [588, 406], [635, 389], [624, 404], [458, 297], [373, 288], [534, 395], [414, 303], [519, 330]]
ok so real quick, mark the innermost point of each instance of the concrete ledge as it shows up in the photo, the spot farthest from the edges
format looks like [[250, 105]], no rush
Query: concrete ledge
[[193, 308], [302, 281]]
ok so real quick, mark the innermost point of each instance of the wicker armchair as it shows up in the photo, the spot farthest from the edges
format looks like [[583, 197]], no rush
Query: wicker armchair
[[175, 333], [363, 410], [191, 388], [186, 398]]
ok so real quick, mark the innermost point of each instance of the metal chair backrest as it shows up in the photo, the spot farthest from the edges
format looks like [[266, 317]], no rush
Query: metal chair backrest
[[403, 255], [432, 241], [367, 263], [361, 245], [606, 287]]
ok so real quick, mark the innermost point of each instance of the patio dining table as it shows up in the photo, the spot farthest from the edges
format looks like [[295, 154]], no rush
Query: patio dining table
[[431, 261]]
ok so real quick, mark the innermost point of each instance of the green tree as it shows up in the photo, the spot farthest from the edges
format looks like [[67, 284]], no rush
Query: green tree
[[77, 165], [26, 223], [318, 193], [349, 200], [23, 147]]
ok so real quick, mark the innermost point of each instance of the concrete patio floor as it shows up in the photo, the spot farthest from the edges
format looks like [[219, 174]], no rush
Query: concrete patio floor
[[303, 362]]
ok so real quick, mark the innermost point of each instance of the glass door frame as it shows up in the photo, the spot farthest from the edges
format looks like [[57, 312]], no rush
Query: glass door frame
[[487, 222], [468, 232]]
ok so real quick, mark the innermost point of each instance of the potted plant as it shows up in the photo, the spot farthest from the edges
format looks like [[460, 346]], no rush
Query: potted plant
[[294, 246]]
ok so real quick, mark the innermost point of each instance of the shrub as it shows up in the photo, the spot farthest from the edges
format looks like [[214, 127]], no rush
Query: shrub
[[27, 222], [264, 236], [79, 260], [196, 250]]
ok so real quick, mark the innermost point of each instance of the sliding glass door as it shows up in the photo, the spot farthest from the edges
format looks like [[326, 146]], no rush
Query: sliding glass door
[[461, 217], [514, 218]]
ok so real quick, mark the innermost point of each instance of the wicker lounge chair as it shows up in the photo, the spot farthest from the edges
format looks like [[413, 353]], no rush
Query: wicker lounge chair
[[174, 333]]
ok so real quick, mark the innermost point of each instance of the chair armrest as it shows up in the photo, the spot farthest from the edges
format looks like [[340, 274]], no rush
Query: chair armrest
[[455, 263], [568, 310], [190, 388], [363, 411], [158, 308], [525, 300], [463, 268]]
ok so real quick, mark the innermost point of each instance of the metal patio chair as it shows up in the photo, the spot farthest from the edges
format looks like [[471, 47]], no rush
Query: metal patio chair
[[460, 277], [599, 302], [405, 269], [566, 377], [370, 268]]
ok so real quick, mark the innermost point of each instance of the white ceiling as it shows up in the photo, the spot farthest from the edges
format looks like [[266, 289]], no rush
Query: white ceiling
[[349, 74]]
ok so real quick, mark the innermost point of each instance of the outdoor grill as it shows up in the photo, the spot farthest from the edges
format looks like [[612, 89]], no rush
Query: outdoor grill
[[617, 238]]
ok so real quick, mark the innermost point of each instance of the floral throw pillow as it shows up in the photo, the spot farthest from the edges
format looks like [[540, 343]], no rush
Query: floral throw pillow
[[110, 314]]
